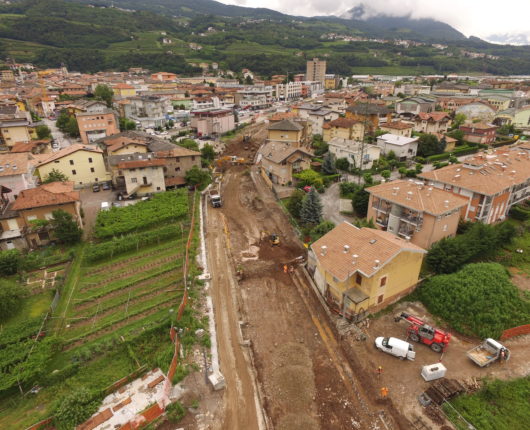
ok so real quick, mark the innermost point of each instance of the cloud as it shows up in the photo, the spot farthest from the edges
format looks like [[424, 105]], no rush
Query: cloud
[[471, 17]]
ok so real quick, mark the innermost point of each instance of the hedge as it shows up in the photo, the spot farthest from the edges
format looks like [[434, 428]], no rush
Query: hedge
[[519, 213]]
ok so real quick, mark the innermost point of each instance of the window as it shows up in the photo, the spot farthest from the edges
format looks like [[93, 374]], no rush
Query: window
[[73, 172], [31, 217], [56, 161], [90, 159], [158, 188], [359, 279], [91, 170], [444, 227], [134, 180], [71, 162], [193, 158], [95, 179], [382, 282], [177, 169], [380, 299]]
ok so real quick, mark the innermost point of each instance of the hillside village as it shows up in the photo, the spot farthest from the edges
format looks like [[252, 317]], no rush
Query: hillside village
[[201, 249]]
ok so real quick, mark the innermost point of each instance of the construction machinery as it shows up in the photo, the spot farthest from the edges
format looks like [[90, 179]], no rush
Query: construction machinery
[[489, 351], [215, 198], [419, 331]]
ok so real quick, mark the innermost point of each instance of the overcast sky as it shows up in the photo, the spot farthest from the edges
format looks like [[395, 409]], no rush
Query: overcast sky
[[472, 17]]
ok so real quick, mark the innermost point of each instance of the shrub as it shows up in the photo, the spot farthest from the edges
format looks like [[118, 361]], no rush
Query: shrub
[[175, 412], [478, 300], [75, 408], [519, 213], [11, 295], [10, 262]]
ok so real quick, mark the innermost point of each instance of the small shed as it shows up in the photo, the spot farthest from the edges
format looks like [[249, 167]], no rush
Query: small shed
[[433, 371]]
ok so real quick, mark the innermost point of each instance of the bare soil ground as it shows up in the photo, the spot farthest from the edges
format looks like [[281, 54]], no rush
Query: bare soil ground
[[403, 378], [304, 378]]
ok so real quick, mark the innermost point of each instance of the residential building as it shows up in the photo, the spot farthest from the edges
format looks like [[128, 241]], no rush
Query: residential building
[[403, 147], [178, 161], [143, 176], [359, 155], [17, 173], [492, 182], [399, 128], [14, 128], [82, 164], [94, 126], [279, 161], [286, 131], [316, 70], [343, 128], [370, 114], [450, 142], [479, 132], [86, 106], [318, 115], [37, 204], [520, 118], [433, 122], [164, 76], [288, 91], [212, 121], [412, 106], [148, 111], [124, 90], [331, 82], [416, 212], [362, 270]]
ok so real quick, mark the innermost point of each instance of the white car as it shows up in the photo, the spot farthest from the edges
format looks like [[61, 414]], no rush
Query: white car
[[396, 347]]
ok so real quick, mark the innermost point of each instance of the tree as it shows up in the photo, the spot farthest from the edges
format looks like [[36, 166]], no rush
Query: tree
[[360, 202], [198, 177], [189, 144], [319, 145], [43, 132], [309, 177], [105, 93], [311, 210], [386, 174], [428, 144], [62, 120], [75, 408], [65, 227], [320, 230], [126, 124], [342, 164], [459, 119], [10, 262], [402, 171], [248, 80], [55, 176], [11, 295], [294, 205], [328, 166], [72, 128], [368, 179], [208, 153]]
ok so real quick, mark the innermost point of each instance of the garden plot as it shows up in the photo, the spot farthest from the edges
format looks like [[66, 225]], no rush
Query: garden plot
[[44, 279]]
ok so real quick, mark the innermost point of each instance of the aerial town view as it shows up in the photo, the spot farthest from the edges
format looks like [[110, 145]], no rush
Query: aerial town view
[[264, 215]]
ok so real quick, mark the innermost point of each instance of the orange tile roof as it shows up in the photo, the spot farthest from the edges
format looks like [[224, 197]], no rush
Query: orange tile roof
[[435, 116], [179, 151], [141, 163], [343, 122], [55, 193], [366, 245], [397, 125], [280, 116], [418, 197], [13, 163], [486, 173]]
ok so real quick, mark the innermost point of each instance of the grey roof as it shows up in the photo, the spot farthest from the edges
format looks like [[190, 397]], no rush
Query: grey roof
[[286, 125], [277, 152], [105, 111], [368, 109]]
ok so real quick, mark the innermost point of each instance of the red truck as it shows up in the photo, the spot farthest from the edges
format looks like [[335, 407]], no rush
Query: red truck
[[419, 331]]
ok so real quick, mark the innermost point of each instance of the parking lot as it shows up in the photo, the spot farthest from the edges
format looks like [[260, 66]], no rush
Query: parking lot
[[91, 204]]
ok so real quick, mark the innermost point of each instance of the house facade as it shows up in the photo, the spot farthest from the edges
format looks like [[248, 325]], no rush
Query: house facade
[[286, 131], [143, 177], [422, 214], [94, 126], [343, 128], [370, 114], [413, 106], [403, 147], [479, 133], [212, 121], [399, 128], [82, 164], [279, 161], [433, 122], [360, 271], [359, 155]]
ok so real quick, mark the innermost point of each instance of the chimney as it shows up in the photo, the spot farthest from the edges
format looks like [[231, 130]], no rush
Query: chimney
[[323, 250], [409, 195], [395, 191], [354, 257], [407, 238], [446, 203], [376, 264], [346, 248]]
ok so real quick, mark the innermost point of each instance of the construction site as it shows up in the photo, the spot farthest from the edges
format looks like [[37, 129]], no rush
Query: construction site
[[287, 362]]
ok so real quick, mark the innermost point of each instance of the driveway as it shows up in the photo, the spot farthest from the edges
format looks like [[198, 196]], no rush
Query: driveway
[[91, 204], [57, 134], [331, 205]]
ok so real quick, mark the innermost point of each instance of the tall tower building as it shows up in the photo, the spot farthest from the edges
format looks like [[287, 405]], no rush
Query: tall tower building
[[316, 70]]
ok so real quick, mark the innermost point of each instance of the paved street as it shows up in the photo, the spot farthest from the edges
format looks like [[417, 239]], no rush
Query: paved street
[[330, 202]]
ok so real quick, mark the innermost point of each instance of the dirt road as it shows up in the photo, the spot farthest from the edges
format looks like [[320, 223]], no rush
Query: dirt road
[[304, 379]]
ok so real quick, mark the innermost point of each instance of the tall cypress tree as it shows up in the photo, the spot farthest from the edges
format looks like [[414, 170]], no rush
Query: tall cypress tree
[[328, 166], [311, 211]]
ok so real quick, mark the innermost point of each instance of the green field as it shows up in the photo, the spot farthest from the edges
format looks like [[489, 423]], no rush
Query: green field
[[112, 318]]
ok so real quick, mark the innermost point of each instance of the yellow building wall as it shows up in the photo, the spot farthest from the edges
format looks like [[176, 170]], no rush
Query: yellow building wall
[[81, 165], [130, 149], [285, 136], [402, 275], [355, 133], [14, 134], [126, 92]]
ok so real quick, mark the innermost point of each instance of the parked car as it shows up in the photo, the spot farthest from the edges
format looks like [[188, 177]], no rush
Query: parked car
[[307, 188], [105, 186], [96, 188], [396, 347]]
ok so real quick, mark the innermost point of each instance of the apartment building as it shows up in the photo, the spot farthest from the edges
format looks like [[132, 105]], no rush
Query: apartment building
[[343, 128], [212, 121], [403, 147], [491, 182], [416, 212], [316, 70], [479, 133], [94, 126], [359, 155]]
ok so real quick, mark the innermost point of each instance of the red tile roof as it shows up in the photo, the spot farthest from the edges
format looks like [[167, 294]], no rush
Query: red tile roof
[[55, 193], [141, 163]]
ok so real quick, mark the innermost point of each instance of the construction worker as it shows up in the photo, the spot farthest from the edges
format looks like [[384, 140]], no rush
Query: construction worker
[[285, 268], [503, 356], [291, 269], [384, 392], [379, 370]]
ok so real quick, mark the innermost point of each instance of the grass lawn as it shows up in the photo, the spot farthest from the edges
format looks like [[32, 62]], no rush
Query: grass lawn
[[500, 405], [32, 307], [509, 255]]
